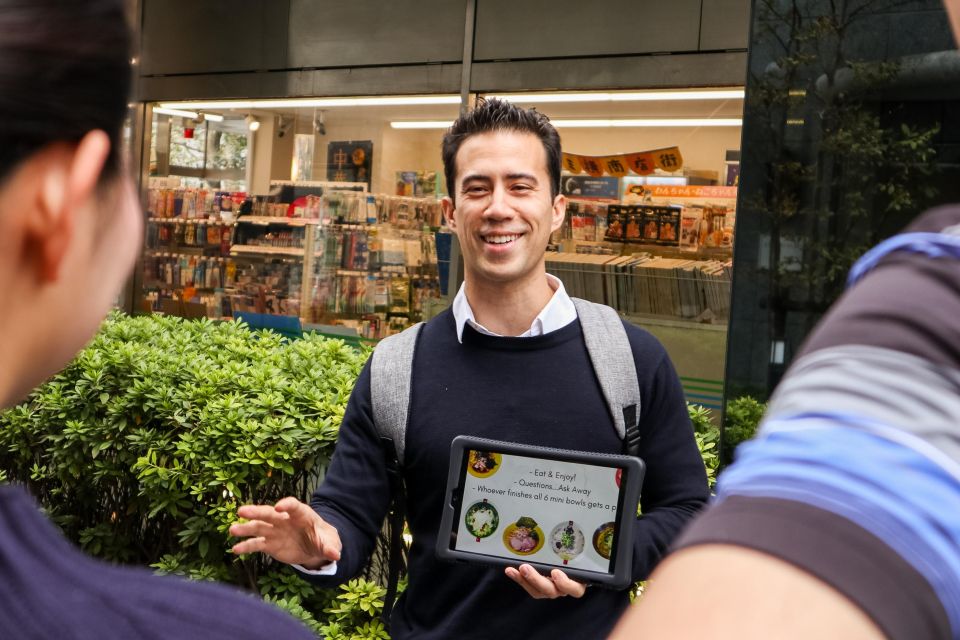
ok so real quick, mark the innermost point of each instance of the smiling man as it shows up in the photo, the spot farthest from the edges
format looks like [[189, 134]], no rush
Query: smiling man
[[508, 362]]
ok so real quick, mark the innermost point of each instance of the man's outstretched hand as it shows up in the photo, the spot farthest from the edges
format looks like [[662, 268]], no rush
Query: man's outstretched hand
[[289, 531]]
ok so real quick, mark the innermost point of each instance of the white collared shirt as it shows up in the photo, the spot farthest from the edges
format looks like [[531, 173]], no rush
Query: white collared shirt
[[558, 313]]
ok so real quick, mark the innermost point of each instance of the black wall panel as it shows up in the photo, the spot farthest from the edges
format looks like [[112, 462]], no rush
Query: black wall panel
[[191, 48], [332, 33], [628, 72], [725, 25], [507, 29], [204, 36]]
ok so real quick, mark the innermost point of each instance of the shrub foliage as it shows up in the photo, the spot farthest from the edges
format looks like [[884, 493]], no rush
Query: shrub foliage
[[742, 417], [144, 446]]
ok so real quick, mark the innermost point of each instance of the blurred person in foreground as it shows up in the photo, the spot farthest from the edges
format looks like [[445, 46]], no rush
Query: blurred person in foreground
[[842, 519], [70, 226]]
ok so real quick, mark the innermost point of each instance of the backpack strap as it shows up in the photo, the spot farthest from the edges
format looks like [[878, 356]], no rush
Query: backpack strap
[[391, 369], [397, 556], [612, 359]]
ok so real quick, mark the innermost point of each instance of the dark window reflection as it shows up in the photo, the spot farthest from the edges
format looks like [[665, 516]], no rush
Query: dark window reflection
[[849, 134]]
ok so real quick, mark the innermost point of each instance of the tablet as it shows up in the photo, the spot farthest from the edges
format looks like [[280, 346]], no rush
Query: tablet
[[509, 504]]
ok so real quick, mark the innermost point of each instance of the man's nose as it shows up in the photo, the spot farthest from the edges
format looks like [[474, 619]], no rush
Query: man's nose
[[498, 206]]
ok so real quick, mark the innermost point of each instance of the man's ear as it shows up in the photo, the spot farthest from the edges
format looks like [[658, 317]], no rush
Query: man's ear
[[559, 212], [69, 178], [88, 161], [448, 210]]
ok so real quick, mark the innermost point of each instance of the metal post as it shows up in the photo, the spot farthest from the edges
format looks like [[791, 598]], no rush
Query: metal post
[[469, 29]]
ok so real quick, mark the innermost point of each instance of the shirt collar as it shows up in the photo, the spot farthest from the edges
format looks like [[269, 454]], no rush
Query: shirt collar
[[558, 313]]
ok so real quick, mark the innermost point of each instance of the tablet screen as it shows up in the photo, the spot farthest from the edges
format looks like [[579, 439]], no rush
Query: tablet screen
[[539, 510]]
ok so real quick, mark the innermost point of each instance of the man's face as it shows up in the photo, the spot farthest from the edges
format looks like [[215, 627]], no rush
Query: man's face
[[504, 212]]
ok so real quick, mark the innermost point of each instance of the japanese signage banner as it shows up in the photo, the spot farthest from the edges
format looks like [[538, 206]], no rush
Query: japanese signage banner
[[642, 163], [350, 161]]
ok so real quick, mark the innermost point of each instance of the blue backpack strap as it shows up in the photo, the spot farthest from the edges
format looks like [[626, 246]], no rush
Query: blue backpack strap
[[612, 358]]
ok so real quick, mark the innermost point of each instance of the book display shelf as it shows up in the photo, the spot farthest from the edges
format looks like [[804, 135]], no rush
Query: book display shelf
[[362, 261], [668, 256]]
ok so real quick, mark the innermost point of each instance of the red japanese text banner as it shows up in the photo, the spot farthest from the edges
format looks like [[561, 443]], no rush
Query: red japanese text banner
[[642, 163]]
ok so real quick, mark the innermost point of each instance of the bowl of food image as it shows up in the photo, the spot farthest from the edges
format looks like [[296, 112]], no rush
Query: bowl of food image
[[481, 519], [567, 540], [524, 537], [483, 464], [603, 539]]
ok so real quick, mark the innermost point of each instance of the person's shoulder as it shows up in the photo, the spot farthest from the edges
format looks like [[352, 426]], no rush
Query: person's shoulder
[[235, 614], [442, 326], [122, 602]]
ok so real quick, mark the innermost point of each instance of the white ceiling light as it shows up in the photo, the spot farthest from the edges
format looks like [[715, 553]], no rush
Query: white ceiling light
[[193, 115], [213, 117], [422, 124], [252, 123], [650, 122], [623, 96], [319, 103], [633, 122]]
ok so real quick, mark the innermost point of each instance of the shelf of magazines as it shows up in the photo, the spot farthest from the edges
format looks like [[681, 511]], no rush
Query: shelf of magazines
[[376, 281], [643, 284], [375, 273]]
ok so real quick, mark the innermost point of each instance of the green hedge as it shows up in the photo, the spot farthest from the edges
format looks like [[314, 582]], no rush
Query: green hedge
[[143, 447], [741, 420]]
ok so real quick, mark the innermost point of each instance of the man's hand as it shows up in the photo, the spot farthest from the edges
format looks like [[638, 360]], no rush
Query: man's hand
[[539, 587], [290, 531]]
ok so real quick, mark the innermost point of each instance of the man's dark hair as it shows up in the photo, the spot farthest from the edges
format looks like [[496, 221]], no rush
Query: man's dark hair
[[64, 71], [498, 115]]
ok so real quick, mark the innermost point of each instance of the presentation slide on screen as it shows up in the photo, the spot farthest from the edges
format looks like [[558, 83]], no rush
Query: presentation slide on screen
[[536, 510]]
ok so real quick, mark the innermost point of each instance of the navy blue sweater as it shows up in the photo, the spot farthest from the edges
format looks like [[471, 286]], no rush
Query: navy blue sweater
[[538, 391], [48, 589]]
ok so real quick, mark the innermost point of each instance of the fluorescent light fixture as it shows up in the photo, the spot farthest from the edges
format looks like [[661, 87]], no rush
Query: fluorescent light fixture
[[650, 122], [213, 117], [560, 123], [193, 115], [422, 124], [623, 96], [321, 103]]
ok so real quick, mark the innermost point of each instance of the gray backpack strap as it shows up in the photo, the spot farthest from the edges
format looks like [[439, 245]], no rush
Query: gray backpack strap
[[612, 360], [390, 377]]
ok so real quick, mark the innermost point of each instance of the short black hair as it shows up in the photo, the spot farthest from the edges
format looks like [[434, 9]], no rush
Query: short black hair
[[64, 71], [498, 115]]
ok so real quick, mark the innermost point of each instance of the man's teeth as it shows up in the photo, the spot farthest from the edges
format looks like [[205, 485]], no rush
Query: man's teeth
[[501, 239]]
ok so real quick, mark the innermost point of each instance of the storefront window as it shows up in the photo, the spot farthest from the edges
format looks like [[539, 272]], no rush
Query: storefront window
[[321, 211], [848, 136], [328, 210]]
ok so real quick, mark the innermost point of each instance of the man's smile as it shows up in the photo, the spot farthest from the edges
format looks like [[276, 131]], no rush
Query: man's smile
[[500, 238]]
